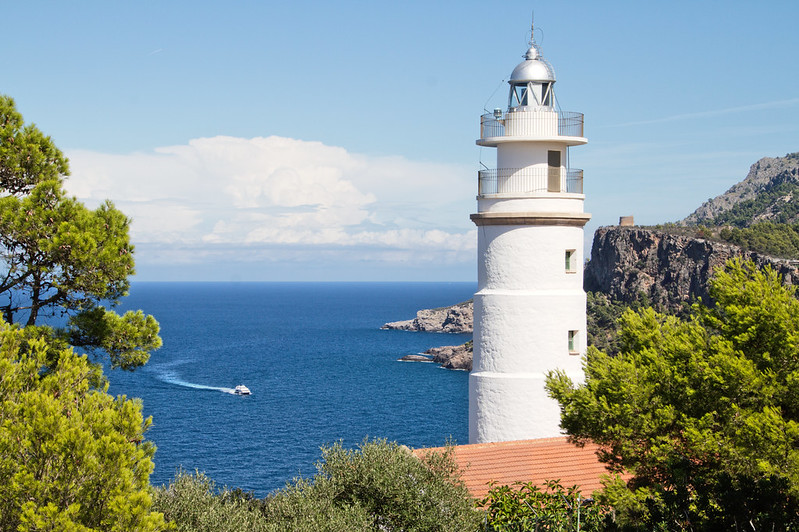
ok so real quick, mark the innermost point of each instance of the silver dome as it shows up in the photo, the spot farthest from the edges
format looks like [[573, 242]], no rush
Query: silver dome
[[533, 68]]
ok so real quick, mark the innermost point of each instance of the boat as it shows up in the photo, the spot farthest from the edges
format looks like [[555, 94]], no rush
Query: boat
[[241, 390]]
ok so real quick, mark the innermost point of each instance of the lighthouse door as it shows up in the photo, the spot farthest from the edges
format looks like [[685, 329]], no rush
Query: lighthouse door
[[553, 177]]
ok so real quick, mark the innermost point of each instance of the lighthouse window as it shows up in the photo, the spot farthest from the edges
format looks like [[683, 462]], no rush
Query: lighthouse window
[[571, 261], [573, 348], [546, 94], [521, 95], [553, 177]]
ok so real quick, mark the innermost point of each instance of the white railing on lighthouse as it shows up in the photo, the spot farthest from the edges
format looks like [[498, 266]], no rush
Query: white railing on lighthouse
[[521, 181], [541, 122]]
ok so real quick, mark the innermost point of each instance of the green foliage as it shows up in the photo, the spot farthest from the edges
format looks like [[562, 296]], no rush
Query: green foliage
[[192, 503], [554, 508], [59, 254], [777, 240], [127, 339], [399, 490], [378, 487], [71, 457], [602, 315], [27, 156], [703, 412], [58, 257], [314, 506]]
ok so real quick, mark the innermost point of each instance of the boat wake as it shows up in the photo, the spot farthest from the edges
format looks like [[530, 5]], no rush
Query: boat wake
[[170, 378]]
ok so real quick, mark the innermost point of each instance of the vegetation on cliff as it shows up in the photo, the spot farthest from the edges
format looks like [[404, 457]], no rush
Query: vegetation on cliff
[[774, 239], [766, 194], [768, 238]]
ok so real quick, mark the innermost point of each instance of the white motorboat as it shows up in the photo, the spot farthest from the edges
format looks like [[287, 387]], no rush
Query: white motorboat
[[241, 390]]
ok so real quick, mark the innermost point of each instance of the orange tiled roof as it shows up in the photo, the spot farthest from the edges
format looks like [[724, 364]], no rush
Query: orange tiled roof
[[527, 461]]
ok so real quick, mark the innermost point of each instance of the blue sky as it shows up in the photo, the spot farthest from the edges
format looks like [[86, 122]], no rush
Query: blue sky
[[329, 141]]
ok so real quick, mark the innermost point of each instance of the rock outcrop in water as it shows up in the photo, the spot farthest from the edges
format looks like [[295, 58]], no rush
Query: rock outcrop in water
[[453, 356], [455, 319], [448, 356]]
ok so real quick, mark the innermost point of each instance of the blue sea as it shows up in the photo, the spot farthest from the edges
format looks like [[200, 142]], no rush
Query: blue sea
[[318, 365]]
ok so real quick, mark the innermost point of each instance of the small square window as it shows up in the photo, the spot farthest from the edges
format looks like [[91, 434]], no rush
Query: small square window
[[573, 343], [571, 261]]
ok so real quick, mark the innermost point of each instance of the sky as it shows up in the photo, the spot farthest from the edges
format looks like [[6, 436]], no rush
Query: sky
[[335, 141]]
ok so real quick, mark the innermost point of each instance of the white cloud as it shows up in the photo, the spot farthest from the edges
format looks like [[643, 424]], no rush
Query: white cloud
[[214, 194]]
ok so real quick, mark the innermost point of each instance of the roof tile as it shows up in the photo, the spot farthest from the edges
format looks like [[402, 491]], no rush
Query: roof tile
[[525, 461]]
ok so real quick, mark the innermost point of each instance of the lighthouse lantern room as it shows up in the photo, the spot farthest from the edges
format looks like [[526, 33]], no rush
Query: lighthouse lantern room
[[530, 305]]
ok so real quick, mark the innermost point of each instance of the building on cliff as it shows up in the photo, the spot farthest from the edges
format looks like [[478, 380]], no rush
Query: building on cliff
[[529, 309]]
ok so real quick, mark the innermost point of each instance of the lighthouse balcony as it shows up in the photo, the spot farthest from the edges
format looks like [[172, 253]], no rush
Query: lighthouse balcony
[[529, 181], [520, 124]]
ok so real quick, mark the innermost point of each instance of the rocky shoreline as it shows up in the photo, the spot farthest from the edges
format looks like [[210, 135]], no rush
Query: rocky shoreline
[[457, 318], [448, 356]]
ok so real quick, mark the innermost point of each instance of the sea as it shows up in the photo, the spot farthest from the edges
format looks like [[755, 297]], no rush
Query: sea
[[318, 365]]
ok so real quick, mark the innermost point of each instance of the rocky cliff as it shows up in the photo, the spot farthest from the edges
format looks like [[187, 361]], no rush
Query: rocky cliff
[[669, 269], [455, 319]]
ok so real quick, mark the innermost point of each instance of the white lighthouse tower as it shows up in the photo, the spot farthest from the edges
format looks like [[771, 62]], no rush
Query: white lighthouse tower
[[529, 309]]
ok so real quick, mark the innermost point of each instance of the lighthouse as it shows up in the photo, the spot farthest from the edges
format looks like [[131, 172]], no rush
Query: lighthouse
[[529, 309]]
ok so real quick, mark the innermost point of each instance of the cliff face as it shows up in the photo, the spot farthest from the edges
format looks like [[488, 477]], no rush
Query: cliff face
[[668, 268], [455, 319]]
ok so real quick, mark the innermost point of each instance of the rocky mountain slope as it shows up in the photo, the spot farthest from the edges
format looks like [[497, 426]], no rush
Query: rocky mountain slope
[[770, 192]]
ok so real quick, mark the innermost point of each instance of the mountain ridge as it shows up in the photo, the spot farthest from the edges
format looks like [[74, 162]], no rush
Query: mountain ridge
[[769, 192]]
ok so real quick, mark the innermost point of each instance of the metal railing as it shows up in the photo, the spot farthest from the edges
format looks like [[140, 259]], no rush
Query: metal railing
[[524, 123], [515, 181]]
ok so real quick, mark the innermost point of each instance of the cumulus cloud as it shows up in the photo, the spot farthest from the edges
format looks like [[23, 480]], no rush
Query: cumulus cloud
[[224, 193]]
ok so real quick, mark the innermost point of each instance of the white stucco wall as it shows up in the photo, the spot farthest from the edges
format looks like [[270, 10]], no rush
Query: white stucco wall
[[546, 202], [525, 306], [526, 302]]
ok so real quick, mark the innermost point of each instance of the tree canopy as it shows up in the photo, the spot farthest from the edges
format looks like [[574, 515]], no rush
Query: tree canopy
[[60, 258], [71, 457], [704, 412], [27, 156]]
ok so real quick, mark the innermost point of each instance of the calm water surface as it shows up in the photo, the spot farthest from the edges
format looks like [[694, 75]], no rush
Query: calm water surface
[[319, 367]]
